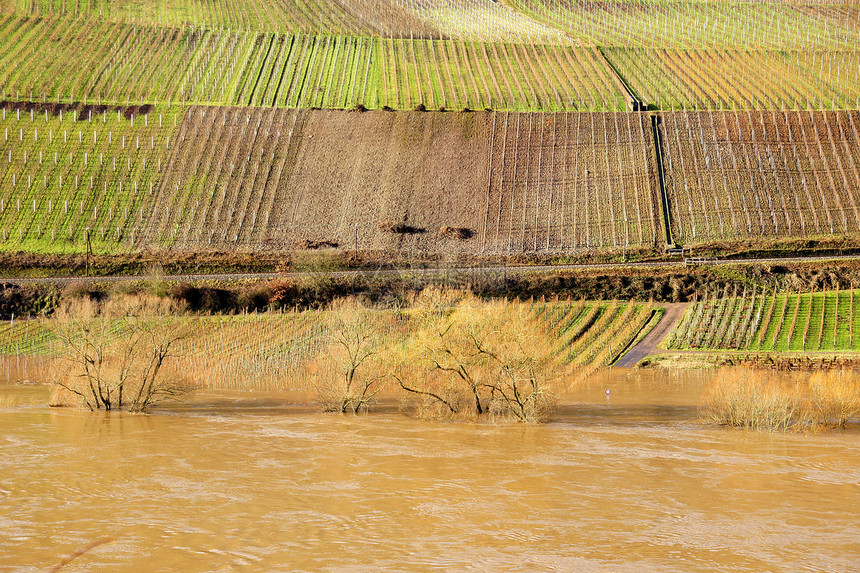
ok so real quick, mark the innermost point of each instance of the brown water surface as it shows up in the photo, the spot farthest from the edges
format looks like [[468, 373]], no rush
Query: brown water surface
[[247, 482]]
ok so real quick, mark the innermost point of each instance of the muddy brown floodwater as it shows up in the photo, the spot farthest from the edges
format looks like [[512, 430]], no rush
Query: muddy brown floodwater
[[243, 482]]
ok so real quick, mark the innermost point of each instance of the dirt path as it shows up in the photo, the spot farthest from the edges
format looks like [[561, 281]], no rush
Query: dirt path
[[648, 345]]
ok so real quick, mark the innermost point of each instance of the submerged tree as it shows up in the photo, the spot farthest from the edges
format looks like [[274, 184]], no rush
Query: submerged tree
[[116, 356], [348, 373], [492, 359]]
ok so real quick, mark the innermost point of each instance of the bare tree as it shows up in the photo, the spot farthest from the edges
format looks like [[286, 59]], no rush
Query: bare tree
[[492, 359], [116, 357], [348, 373]]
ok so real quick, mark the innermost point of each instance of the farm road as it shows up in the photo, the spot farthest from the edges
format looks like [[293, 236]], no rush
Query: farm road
[[648, 345], [417, 271]]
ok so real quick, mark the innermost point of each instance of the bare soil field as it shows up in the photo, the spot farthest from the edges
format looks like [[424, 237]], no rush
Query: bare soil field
[[412, 182], [744, 174]]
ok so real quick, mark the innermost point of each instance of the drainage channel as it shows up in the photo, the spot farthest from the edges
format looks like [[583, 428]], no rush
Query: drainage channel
[[656, 121], [634, 103]]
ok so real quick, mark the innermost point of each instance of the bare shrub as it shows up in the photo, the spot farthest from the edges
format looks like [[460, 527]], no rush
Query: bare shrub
[[400, 228], [348, 373], [283, 293], [200, 298], [117, 355], [308, 244], [834, 397], [318, 268], [254, 297], [458, 233], [481, 360], [83, 289], [768, 400]]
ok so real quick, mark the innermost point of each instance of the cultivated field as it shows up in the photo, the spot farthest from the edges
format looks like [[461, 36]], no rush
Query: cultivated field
[[104, 62], [267, 351], [711, 79], [593, 334], [66, 169], [754, 106], [758, 320], [343, 72], [480, 20], [501, 183], [71, 56], [762, 174], [768, 24], [571, 181], [511, 182]]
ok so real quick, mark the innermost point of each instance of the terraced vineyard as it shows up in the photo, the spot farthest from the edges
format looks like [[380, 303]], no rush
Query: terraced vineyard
[[517, 182], [281, 177], [593, 334], [121, 63], [768, 24], [74, 59], [70, 57], [343, 72], [67, 169], [741, 78], [754, 174], [771, 150], [265, 350], [289, 16], [567, 181], [480, 20], [757, 320]]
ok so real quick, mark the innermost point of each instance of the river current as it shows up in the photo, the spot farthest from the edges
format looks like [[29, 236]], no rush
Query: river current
[[253, 482]]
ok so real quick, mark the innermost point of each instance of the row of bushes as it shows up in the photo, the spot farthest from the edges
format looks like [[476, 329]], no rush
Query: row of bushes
[[318, 289]]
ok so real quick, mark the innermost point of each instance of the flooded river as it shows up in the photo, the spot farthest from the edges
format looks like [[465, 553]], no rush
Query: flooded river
[[246, 482]]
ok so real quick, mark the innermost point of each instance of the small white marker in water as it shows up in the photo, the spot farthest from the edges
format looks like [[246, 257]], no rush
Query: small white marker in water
[[608, 391]]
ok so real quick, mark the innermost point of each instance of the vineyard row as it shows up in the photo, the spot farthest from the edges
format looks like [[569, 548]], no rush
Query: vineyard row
[[218, 177], [753, 319], [769, 24], [75, 59]]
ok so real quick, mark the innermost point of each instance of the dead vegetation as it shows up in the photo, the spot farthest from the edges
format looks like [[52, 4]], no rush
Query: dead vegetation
[[457, 233], [768, 400], [117, 356], [309, 245], [479, 360], [83, 110], [400, 228], [348, 373]]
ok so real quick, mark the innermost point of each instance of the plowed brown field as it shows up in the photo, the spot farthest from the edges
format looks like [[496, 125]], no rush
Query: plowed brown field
[[392, 181], [762, 174]]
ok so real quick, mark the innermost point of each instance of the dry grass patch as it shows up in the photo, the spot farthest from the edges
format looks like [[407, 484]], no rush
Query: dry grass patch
[[768, 400]]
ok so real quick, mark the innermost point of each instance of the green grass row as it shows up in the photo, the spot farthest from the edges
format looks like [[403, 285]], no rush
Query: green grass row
[[63, 174], [756, 320]]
